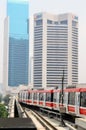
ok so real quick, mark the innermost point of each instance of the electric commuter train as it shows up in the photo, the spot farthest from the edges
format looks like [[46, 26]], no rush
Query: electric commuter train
[[73, 101]]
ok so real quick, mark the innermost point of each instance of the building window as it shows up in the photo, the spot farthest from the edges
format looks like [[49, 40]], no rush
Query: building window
[[64, 22], [55, 22], [49, 21], [39, 22], [74, 23]]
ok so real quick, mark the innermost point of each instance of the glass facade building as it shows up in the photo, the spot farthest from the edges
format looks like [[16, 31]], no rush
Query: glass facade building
[[18, 14]]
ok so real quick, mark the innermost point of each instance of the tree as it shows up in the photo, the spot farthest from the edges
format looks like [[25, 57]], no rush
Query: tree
[[6, 99], [3, 111]]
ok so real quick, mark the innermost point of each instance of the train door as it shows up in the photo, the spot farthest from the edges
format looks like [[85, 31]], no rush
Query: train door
[[22, 96], [65, 101], [49, 99], [37, 98], [71, 102], [44, 99], [35, 101], [26, 97], [41, 99], [57, 100], [31, 94], [82, 109], [77, 102]]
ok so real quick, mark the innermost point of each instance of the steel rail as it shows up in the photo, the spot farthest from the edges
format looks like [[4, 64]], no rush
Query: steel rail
[[42, 120]]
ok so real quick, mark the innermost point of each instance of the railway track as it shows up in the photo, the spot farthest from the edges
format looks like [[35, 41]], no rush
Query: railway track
[[43, 122]]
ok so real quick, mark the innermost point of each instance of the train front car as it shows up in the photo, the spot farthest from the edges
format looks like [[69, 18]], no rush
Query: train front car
[[82, 102], [76, 101], [69, 103], [72, 105]]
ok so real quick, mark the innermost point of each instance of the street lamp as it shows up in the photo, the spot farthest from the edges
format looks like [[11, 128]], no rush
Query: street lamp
[[62, 108]]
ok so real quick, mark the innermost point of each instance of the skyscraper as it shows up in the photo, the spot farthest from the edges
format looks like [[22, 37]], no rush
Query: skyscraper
[[2, 19], [55, 50], [18, 43], [3, 15]]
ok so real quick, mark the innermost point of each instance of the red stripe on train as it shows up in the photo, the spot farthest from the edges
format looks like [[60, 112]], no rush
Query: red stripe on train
[[82, 111], [71, 108], [49, 104], [41, 103]]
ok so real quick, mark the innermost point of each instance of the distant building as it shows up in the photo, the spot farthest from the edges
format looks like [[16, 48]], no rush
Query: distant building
[[55, 50], [16, 45], [3, 15]]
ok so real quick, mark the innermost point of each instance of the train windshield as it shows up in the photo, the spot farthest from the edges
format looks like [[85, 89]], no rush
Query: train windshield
[[60, 98], [83, 99], [55, 97], [41, 96], [48, 96], [71, 98]]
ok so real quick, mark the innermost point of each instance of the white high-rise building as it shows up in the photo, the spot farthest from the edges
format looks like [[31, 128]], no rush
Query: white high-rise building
[[3, 15], [55, 49]]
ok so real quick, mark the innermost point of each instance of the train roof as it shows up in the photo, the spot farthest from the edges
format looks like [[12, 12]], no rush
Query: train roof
[[81, 89], [40, 91]]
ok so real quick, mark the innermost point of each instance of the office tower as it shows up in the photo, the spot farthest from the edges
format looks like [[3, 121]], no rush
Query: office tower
[[2, 19], [18, 61], [55, 50]]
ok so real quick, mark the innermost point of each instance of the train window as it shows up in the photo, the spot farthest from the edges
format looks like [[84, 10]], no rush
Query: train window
[[48, 96], [20, 95], [60, 98], [64, 98], [83, 99], [26, 95], [35, 96], [41, 96], [54, 97], [71, 98], [30, 95], [23, 95]]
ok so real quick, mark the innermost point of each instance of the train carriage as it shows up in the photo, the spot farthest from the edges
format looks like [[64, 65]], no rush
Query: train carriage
[[22, 96], [56, 94], [48, 98], [43, 98], [82, 102], [30, 95], [74, 99]]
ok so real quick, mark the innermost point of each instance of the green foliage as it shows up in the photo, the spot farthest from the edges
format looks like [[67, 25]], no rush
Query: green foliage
[[3, 111]]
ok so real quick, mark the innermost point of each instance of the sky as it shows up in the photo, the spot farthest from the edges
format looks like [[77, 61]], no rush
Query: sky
[[77, 7]]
